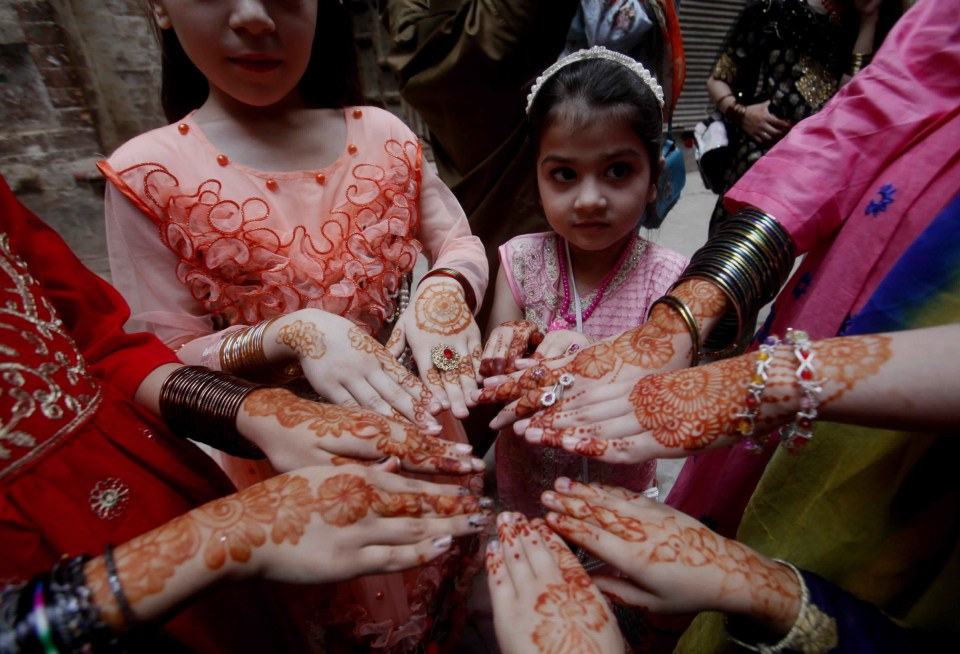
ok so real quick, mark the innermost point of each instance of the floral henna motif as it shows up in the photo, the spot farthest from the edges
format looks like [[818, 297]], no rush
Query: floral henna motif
[[693, 407], [343, 499], [703, 298], [440, 309], [239, 523], [573, 616], [649, 347], [596, 361], [846, 361], [325, 419], [303, 338]]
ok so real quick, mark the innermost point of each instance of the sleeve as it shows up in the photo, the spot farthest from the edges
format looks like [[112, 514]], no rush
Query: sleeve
[[884, 111], [141, 267], [505, 253], [91, 310], [445, 233]]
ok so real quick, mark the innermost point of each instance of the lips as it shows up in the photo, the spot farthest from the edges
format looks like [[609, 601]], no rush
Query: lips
[[256, 63]]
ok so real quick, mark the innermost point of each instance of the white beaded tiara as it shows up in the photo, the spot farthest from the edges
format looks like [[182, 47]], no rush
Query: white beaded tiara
[[597, 52]]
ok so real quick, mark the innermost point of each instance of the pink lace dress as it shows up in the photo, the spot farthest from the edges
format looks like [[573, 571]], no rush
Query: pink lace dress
[[531, 267], [200, 245]]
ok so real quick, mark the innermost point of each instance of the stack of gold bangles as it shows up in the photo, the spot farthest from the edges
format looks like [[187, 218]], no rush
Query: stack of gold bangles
[[748, 258], [241, 353]]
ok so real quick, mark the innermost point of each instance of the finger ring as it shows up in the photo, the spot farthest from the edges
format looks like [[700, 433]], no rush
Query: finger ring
[[555, 394], [444, 357]]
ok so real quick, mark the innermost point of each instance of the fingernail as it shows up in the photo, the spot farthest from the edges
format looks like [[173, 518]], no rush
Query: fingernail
[[463, 447], [442, 542], [506, 518], [479, 519], [433, 430], [548, 496], [562, 484], [463, 491], [384, 459], [493, 547]]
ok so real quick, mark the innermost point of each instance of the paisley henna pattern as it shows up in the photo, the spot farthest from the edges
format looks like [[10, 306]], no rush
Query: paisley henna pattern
[[440, 309], [325, 419], [704, 299], [693, 407], [303, 338]]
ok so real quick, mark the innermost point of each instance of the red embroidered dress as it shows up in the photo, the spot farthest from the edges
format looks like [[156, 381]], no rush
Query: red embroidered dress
[[81, 465]]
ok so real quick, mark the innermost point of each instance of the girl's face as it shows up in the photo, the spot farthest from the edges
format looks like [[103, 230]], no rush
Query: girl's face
[[251, 51], [594, 182]]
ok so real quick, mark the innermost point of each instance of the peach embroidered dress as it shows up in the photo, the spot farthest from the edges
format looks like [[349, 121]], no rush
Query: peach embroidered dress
[[531, 266], [199, 244]]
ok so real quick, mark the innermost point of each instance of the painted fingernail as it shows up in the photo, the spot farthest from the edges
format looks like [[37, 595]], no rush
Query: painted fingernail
[[485, 503], [463, 447], [493, 547], [442, 542], [562, 484], [479, 519]]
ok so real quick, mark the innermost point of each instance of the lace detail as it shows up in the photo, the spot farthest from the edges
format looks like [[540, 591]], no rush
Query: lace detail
[[46, 391], [243, 269]]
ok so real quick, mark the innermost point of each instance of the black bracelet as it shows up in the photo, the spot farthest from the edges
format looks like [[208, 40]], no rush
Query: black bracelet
[[113, 579]]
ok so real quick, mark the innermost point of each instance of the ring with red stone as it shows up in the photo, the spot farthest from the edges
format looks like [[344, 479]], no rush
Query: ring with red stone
[[444, 357], [555, 394]]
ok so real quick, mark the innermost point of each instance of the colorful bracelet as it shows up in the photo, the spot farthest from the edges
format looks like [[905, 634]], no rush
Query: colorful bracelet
[[689, 320], [469, 296], [797, 435], [747, 420]]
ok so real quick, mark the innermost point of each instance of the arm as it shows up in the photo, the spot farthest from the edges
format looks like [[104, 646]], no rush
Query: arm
[[869, 15], [511, 336], [673, 564], [890, 381], [319, 525]]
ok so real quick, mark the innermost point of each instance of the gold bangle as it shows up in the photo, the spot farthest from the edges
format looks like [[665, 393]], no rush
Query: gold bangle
[[242, 354], [686, 315], [859, 61]]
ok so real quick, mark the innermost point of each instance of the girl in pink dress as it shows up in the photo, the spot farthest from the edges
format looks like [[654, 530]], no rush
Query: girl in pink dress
[[272, 200], [596, 120]]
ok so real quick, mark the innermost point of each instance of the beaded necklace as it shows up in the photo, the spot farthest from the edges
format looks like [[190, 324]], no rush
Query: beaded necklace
[[566, 320]]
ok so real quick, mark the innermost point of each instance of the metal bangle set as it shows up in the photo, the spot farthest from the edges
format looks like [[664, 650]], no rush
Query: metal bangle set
[[54, 612], [241, 353], [203, 404], [749, 259]]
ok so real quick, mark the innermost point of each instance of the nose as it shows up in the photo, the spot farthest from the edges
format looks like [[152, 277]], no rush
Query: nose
[[252, 16], [590, 196]]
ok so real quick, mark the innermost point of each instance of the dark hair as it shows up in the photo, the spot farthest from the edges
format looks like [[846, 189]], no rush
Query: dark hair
[[582, 89], [332, 77]]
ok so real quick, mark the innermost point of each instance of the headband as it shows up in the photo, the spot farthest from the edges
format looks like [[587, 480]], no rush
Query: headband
[[597, 52]]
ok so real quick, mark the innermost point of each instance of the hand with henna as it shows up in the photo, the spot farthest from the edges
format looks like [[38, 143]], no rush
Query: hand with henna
[[315, 525], [294, 432], [543, 600], [348, 367], [560, 343], [671, 563], [508, 342], [662, 343], [438, 316]]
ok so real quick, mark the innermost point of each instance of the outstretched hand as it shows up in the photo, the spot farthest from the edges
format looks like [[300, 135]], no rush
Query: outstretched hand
[[509, 341], [294, 432], [671, 562], [438, 321], [543, 599]]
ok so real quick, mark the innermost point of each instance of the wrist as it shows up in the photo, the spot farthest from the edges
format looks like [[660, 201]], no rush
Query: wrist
[[771, 619], [466, 290]]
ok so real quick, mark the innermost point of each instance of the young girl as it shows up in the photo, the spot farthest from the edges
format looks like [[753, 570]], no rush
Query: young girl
[[595, 118], [274, 221]]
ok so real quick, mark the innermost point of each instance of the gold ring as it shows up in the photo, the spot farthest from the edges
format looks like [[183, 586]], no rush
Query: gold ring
[[444, 357]]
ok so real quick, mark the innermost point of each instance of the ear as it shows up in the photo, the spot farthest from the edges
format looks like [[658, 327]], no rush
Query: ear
[[652, 191], [160, 15]]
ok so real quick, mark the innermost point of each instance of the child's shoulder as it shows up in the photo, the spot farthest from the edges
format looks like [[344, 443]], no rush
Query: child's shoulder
[[155, 145], [526, 241], [379, 119], [661, 253]]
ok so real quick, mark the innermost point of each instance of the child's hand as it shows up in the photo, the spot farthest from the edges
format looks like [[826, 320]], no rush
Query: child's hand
[[510, 341], [560, 343], [444, 340], [543, 600]]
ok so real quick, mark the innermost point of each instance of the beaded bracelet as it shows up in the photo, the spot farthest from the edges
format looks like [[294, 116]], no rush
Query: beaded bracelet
[[469, 296], [203, 404], [747, 420], [686, 315], [797, 435]]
